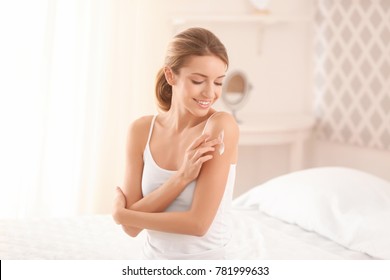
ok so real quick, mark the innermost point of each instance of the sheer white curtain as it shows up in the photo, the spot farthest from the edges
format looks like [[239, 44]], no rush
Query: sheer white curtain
[[66, 96]]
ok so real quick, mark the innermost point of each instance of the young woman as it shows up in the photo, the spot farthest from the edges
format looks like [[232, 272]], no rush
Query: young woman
[[180, 167]]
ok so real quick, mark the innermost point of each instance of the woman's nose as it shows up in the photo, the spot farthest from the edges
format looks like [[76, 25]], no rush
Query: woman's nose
[[209, 91]]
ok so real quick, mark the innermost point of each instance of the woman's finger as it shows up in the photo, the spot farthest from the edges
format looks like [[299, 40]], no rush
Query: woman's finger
[[213, 142], [198, 141], [118, 190], [119, 194], [201, 151], [202, 160]]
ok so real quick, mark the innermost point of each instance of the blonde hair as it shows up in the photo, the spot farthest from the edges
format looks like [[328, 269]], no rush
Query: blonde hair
[[191, 42]]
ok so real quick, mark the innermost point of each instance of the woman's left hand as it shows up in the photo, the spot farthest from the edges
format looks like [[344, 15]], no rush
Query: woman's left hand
[[119, 204]]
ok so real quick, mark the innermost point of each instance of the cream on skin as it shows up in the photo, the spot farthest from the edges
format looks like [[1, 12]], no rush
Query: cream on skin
[[221, 149]]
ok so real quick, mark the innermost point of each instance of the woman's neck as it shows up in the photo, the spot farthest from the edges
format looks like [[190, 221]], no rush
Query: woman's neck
[[181, 120]]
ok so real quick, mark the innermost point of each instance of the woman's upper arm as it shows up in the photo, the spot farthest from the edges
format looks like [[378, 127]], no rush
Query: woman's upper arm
[[213, 176], [135, 145]]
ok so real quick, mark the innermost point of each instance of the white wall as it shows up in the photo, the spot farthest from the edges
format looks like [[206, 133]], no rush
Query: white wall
[[377, 162], [278, 73]]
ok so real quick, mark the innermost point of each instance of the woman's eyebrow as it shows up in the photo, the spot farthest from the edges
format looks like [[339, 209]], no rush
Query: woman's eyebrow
[[205, 76]]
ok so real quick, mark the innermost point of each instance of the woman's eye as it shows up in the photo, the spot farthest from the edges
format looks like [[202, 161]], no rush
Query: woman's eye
[[197, 82], [218, 84]]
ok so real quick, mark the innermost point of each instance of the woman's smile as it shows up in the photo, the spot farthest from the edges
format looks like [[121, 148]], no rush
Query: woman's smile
[[205, 104]]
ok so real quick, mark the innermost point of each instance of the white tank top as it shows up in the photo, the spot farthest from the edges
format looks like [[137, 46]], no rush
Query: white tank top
[[162, 245]]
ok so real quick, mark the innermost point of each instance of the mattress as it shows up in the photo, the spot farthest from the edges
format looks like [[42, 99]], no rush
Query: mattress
[[96, 237], [323, 213]]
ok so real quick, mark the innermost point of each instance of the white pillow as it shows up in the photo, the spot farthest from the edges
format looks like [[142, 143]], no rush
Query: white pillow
[[345, 205]]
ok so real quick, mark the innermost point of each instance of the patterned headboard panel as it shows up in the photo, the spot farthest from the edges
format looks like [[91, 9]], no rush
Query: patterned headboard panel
[[352, 72]]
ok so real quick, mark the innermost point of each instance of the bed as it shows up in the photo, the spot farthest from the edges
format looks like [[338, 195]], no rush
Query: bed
[[320, 213]]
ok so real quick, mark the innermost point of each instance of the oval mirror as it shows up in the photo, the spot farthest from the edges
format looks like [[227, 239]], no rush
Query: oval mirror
[[235, 91]]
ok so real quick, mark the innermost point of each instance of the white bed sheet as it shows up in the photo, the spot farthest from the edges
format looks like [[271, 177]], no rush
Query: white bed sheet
[[255, 236], [284, 241]]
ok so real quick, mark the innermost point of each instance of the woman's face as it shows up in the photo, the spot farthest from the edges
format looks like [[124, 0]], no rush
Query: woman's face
[[199, 84]]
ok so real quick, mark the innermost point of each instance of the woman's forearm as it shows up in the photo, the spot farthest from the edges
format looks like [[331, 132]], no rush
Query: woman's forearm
[[172, 222], [162, 197], [156, 201]]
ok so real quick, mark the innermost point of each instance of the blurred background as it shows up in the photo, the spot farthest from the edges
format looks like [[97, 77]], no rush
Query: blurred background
[[76, 73]]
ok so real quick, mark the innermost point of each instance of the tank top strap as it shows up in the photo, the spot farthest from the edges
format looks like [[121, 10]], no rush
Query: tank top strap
[[151, 130], [212, 115]]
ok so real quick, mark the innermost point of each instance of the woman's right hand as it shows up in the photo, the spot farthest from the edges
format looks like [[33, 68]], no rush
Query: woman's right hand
[[119, 204], [195, 155]]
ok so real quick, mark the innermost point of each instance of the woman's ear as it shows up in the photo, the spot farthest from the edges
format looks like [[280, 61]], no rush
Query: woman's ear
[[169, 76]]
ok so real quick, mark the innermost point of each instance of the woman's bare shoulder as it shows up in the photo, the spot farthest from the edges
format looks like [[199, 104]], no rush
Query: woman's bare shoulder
[[138, 130], [141, 123], [222, 121], [223, 117]]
